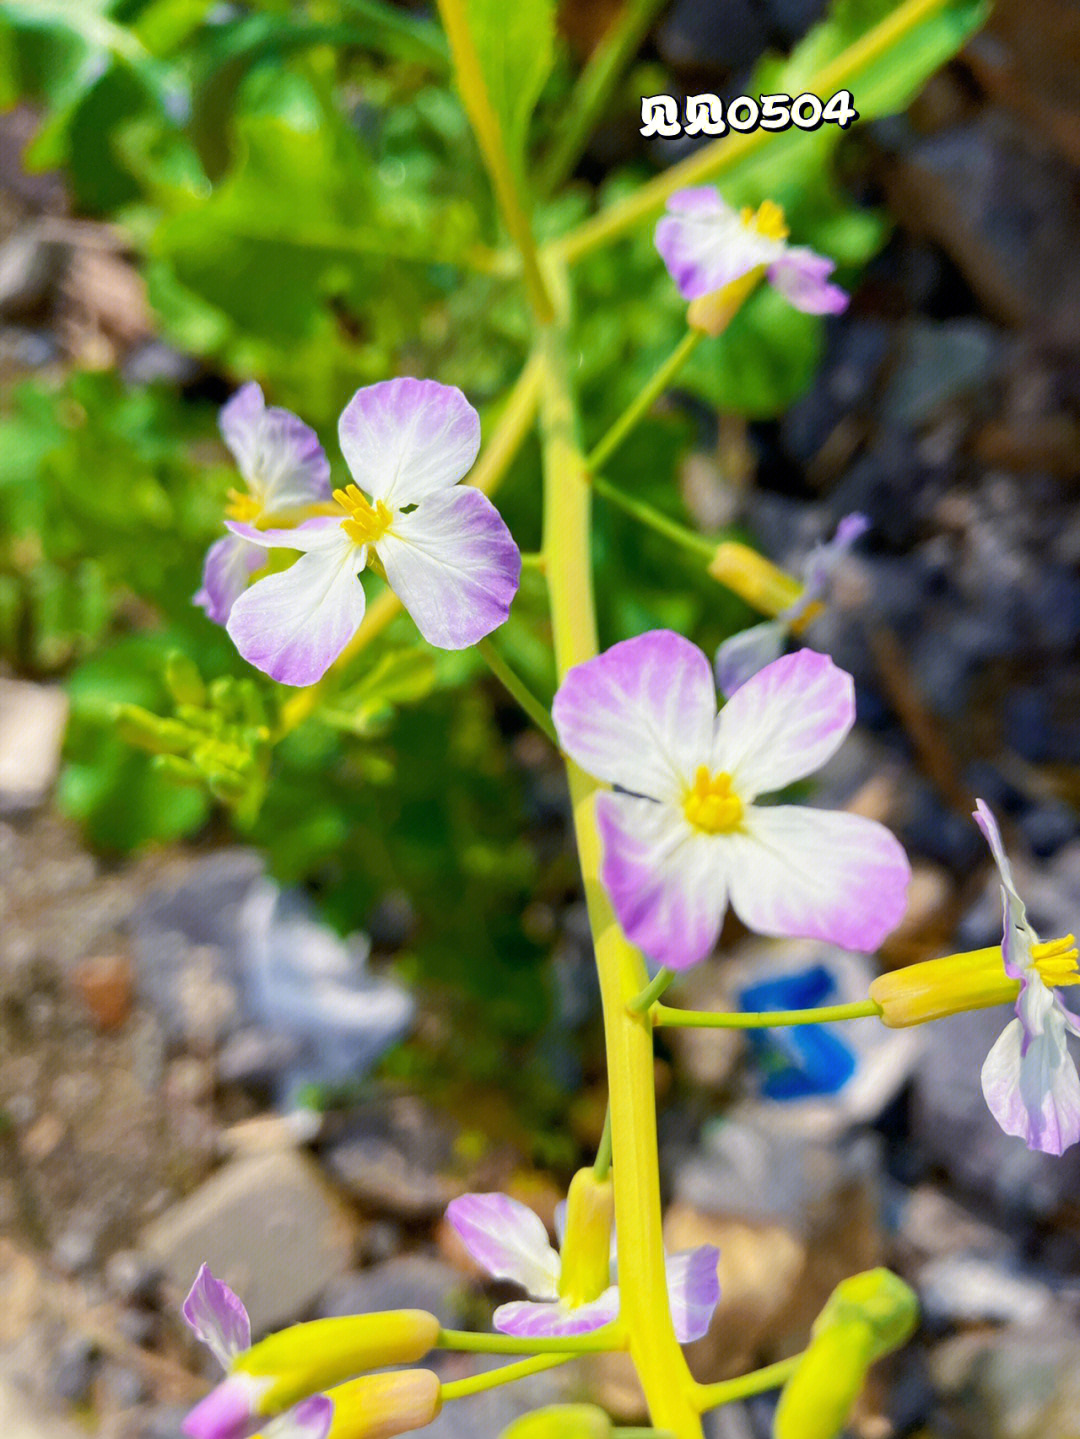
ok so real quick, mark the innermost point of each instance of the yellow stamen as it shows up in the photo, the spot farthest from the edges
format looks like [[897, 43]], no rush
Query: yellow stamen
[[585, 1271], [366, 523], [710, 805], [241, 506], [767, 220], [1056, 962]]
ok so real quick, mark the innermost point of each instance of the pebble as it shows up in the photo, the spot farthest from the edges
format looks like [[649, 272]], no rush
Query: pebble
[[408, 1281], [265, 1223], [104, 984], [33, 719]]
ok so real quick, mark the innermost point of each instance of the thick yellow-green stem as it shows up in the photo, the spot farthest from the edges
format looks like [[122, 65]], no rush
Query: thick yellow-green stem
[[661, 1367]]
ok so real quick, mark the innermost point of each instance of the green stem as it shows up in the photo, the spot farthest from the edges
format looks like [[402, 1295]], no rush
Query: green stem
[[532, 560], [710, 1396], [639, 408], [600, 1341], [652, 991], [602, 1162], [505, 1374], [724, 153], [517, 688], [593, 90], [646, 514], [770, 1019]]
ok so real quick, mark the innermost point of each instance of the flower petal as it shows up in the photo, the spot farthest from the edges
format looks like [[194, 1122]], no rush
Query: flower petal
[[217, 1317], [508, 1239], [665, 878], [821, 564], [693, 1287], [322, 533], [310, 1419], [802, 277], [404, 439], [784, 723], [549, 1321], [817, 874], [454, 565], [1031, 1087], [741, 656], [278, 455], [640, 715], [230, 563], [227, 1411], [294, 624], [705, 245], [1018, 937]]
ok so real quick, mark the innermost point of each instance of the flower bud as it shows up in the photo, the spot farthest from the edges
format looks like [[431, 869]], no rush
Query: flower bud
[[713, 313], [377, 1406], [586, 1246], [939, 987], [561, 1421], [754, 578], [306, 1358]]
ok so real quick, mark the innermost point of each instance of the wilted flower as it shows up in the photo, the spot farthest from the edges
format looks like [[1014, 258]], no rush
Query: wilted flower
[[1029, 1079], [751, 650], [708, 246], [287, 1367], [573, 1293], [284, 469], [683, 833], [445, 550]]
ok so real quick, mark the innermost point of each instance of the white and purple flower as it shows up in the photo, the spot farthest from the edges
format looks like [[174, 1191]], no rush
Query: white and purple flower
[[742, 655], [683, 835], [706, 245], [444, 548], [511, 1242], [1029, 1079], [284, 468], [218, 1318]]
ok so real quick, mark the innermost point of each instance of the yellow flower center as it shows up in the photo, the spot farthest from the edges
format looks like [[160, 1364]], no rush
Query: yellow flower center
[[767, 220], [366, 522], [241, 506], [710, 805], [1056, 962]]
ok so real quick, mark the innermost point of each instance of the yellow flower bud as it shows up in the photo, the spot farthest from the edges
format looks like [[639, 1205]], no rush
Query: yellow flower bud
[[939, 987], [758, 581], [713, 313], [377, 1406], [306, 1358], [586, 1248], [561, 1421]]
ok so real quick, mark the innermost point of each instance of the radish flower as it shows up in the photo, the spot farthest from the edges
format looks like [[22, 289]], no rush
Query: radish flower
[[569, 1292], [283, 466], [1029, 1079], [706, 245], [444, 549], [684, 834], [218, 1318]]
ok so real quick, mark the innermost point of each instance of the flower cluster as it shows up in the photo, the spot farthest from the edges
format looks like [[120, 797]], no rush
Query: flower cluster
[[443, 548]]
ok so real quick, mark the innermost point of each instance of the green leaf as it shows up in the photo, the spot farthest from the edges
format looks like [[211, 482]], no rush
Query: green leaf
[[515, 44]]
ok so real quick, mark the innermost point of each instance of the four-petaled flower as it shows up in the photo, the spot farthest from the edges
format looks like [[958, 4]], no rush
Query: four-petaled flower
[[751, 650], [683, 833], [511, 1242], [284, 468], [445, 550], [707, 245], [1029, 1079], [220, 1321]]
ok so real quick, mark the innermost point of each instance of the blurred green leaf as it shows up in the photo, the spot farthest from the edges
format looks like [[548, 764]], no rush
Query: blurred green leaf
[[515, 45]]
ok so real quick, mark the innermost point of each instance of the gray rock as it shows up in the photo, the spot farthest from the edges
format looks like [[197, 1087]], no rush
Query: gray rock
[[411, 1281], [72, 1371], [267, 1225], [977, 1288], [396, 1155], [939, 361], [1016, 1384], [132, 1277], [32, 723], [30, 266]]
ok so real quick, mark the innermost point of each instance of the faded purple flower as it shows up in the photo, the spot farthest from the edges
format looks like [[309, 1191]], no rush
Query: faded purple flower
[[510, 1241], [683, 833], [444, 548], [707, 245], [284, 468], [1029, 1079]]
